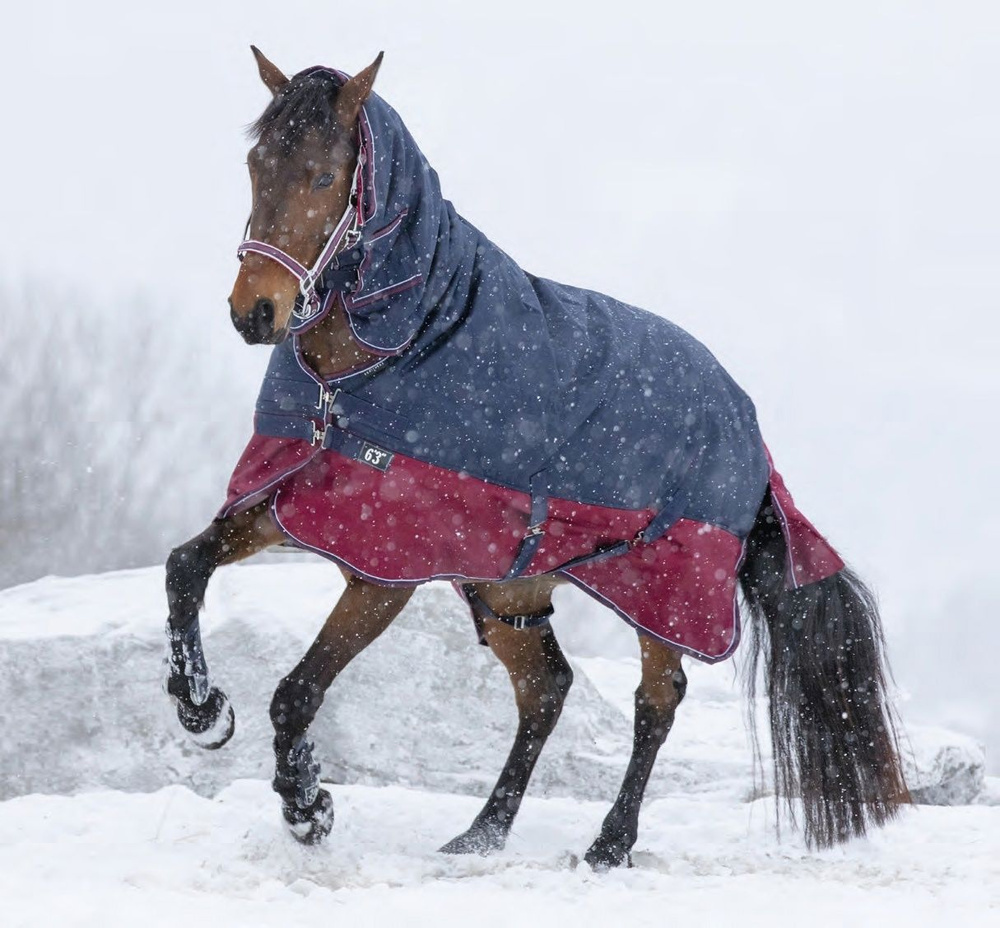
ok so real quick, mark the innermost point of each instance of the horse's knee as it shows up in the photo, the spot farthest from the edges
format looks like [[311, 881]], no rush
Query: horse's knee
[[189, 568], [294, 706], [178, 569], [655, 705]]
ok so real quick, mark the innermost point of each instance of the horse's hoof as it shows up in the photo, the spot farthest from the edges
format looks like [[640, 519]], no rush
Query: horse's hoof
[[605, 854], [477, 840], [211, 724], [312, 825]]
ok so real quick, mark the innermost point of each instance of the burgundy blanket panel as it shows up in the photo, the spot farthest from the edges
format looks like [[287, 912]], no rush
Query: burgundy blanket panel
[[417, 522]]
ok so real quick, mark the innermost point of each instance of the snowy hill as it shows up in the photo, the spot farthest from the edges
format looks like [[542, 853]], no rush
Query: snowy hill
[[414, 733]]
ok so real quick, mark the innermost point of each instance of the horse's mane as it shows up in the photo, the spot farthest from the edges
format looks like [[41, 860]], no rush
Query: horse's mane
[[306, 102]]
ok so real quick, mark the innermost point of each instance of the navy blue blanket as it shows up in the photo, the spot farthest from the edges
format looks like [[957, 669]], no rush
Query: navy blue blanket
[[515, 379]]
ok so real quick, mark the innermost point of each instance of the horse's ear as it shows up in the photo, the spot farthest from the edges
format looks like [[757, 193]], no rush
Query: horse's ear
[[353, 94], [269, 74]]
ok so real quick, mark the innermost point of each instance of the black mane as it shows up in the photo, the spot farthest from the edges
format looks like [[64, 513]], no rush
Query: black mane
[[305, 102]]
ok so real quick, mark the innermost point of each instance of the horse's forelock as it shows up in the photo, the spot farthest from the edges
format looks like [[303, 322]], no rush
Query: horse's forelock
[[306, 102]]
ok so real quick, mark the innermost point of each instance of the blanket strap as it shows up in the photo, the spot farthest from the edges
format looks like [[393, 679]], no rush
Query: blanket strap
[[663, 520], [311, 412], [601, 553], [349, 410], [536, 528], [657, 528], [481, 612]]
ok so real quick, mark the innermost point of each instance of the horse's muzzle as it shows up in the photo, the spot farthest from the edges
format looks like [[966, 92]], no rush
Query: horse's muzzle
[[257, 326]]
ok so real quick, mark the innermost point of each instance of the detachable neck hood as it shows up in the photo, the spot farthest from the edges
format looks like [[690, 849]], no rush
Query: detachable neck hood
[[401, 221]]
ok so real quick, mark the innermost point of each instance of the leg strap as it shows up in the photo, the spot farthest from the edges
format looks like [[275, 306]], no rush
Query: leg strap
[[481, 611]]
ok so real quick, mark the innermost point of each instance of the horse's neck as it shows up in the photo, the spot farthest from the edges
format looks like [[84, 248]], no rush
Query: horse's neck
[[329, 349]]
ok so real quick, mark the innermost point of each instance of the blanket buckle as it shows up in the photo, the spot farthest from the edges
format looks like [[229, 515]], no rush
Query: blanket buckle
[[318, 435], [327, 399]]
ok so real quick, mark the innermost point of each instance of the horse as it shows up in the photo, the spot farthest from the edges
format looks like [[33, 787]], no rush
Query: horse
[[363, 278]]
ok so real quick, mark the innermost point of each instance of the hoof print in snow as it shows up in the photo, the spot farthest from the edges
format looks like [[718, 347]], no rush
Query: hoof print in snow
[[481, 841]]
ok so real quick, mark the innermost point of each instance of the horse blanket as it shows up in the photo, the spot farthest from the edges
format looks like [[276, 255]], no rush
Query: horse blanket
[[511, 426]]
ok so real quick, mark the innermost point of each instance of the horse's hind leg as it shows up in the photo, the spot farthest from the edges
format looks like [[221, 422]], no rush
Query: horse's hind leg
[[362, 613], [204, 710], [660, 692], [541, 677]]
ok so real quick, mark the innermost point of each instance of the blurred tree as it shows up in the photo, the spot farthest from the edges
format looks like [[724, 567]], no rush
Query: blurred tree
[[117, 437]]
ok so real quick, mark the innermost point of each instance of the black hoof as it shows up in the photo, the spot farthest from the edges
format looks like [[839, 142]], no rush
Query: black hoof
[[481, 840], [211, 724], [605, 854], [312, 825]]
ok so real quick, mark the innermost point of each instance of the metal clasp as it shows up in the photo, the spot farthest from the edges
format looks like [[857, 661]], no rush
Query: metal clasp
[[327, 398], [535, 530], [331, 400], [318, 435]]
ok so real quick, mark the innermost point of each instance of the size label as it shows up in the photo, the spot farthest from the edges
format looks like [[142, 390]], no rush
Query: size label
[[375, 456]]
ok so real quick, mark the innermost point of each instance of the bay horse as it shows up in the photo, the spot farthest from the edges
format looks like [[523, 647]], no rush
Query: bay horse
[[432, 411]]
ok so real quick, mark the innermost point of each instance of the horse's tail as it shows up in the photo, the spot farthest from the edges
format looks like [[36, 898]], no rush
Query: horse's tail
[[832, 728]]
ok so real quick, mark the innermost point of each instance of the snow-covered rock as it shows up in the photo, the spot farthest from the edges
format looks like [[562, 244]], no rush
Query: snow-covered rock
[[426, 706], [945, 768], [81, 682]]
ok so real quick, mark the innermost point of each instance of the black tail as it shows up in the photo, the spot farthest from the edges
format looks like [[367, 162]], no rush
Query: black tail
[[832, 728]]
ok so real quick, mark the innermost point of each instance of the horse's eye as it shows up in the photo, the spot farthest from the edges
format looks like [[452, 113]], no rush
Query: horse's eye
[[324, 180]]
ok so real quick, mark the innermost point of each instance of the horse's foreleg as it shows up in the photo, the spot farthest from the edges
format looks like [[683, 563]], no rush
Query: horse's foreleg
[[362, 613], [659, 694], [204, 710], [541, 677]]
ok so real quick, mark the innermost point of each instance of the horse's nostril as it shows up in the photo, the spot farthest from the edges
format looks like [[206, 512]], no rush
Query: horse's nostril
[[264, 311], [257, 326]]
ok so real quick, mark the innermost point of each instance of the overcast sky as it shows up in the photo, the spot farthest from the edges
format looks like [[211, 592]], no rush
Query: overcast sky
[[811, 189]]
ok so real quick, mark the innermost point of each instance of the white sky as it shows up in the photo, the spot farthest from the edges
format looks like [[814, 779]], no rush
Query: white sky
[[810, 189]]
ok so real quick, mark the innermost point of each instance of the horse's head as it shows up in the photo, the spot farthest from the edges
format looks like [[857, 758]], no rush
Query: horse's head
[[301, 167]]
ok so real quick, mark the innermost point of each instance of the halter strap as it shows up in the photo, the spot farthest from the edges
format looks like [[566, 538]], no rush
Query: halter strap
[[309, 278], [276, 254]]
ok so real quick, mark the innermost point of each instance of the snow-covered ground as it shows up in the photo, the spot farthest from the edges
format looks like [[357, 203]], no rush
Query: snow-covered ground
[[110, 818], [169, 857]]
